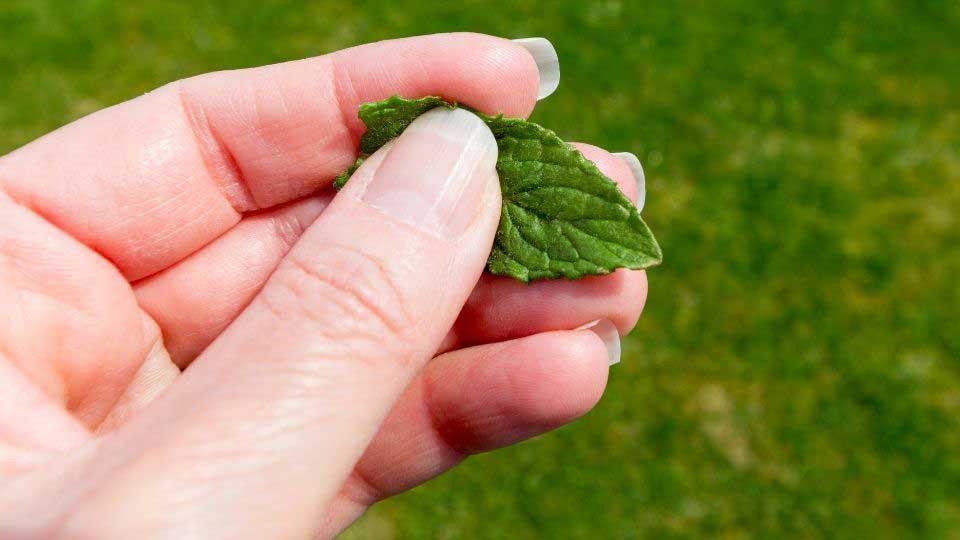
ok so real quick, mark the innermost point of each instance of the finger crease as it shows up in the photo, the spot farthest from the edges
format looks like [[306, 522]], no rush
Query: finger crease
[[362, 490], [341, 84], [397, 322], [437, 426], [218, 161]]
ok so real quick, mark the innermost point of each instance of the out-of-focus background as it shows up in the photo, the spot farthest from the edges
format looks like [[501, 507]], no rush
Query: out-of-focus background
[[796, 373]]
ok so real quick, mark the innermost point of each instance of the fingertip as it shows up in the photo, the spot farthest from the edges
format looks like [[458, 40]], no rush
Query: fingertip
[[639, 177], [571, 377], [609, 334], [489, 73], [615, 167], [621, 297], [509, 67], [542, 382], [634, 299], [548, 64]]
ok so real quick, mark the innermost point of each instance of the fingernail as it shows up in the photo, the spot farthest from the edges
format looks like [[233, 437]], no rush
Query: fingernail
[[435, 174], [608, 332], [633, 162], [547, 63]]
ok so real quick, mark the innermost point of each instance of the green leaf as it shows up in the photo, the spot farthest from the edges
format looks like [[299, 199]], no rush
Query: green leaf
[[342, 178], [386, 119], [561, 216]]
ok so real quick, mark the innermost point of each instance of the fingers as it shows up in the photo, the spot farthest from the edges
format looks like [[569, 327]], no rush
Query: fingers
[[502, 308], [474, 400], [194, 300], [282, 405], [152, 180], [614, 166]]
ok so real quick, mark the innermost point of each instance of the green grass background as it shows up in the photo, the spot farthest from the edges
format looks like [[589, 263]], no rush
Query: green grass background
[[796, 373]]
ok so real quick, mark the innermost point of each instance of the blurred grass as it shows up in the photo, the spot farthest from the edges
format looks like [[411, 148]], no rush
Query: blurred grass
[[797, 370]]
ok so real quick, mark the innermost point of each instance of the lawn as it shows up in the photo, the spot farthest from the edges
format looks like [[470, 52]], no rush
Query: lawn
[[796, 373]]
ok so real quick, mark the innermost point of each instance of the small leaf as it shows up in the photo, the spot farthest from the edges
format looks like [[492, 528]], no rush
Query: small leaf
[[561, 216], [386, 119]]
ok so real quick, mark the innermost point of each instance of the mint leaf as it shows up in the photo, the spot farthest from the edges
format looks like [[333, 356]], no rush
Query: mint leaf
[[386, 119], [342, 178], [561, 216]]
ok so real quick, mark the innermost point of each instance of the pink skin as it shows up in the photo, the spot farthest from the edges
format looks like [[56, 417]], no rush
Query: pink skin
[[194, 300], [200, 223]]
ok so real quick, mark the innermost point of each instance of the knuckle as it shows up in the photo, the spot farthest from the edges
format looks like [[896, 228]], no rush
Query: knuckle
[[349, 295]]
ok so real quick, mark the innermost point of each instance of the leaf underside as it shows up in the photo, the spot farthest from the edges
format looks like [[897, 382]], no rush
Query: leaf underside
[[561, 216]]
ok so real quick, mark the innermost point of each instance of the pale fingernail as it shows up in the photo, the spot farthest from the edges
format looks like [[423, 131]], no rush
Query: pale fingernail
[[547, 63], [607, 331], [436, 172], [633, 162]]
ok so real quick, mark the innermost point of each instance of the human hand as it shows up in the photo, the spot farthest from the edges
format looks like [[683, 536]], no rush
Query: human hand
[[340, 350]]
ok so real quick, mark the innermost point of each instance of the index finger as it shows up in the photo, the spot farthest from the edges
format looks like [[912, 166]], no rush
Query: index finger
[[151, 180]]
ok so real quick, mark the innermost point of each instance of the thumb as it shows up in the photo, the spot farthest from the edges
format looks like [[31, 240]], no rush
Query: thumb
[[282, 405]]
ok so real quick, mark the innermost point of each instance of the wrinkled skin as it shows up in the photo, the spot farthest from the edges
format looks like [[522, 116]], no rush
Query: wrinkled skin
[[179, 343]]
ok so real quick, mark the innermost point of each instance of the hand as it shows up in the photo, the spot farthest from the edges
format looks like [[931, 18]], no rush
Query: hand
[[340, 349]]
